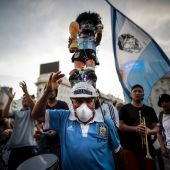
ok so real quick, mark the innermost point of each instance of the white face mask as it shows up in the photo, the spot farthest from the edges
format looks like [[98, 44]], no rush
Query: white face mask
[[83, 113]]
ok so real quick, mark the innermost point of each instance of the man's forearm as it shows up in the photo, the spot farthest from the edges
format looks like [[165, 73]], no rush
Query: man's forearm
[[38, 111], [30, 101], [126, 128], [154, 130], [6, 112]]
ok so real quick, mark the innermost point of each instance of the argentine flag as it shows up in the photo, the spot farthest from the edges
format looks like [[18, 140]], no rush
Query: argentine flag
[[138, 58]]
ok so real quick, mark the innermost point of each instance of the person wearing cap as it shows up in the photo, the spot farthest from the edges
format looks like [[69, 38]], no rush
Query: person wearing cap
[[137, 122], [87, 139], [164, 118]]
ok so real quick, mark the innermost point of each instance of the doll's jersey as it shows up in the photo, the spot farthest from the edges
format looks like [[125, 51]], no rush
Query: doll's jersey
[[87, 43]]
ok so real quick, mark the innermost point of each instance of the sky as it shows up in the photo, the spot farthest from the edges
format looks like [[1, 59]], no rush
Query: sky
[[34, 32]]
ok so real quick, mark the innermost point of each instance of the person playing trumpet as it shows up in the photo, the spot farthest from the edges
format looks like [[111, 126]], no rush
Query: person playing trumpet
[[137, 122]]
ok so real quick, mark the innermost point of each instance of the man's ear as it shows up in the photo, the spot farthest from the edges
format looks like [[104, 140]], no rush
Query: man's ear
[[131, 96], [142, 97]]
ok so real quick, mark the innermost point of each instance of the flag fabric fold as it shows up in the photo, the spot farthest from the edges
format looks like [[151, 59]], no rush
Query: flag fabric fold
[[138, 58]]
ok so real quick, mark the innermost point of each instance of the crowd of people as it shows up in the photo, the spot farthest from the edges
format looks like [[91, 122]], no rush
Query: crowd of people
[[94, 134]]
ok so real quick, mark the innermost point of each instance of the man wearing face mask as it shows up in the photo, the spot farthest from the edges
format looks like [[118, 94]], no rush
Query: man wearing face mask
[[87, 139]]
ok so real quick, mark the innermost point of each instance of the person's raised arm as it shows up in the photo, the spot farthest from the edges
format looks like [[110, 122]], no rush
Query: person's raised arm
[[30, 101], [39, 109], [6, 112]]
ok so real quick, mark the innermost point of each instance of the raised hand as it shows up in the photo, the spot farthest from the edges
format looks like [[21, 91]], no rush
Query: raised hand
[[54, 80], [57, 79], [11, 95], [39, 109], [23, 85]]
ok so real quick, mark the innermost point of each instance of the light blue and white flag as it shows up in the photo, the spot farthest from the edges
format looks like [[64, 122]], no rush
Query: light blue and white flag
[[138, 58]]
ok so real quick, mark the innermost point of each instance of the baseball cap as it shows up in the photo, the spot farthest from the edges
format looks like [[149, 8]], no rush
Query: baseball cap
[[137, 86], [163, 98], [83, 90]]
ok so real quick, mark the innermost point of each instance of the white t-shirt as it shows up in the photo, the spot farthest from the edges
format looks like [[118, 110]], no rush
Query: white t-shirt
[[23, 130], [166, 126]]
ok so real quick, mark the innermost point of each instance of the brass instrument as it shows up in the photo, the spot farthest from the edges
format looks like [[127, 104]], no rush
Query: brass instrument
[[144, 138]]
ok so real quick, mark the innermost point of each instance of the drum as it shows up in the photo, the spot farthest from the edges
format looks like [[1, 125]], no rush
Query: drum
[[40, 162]]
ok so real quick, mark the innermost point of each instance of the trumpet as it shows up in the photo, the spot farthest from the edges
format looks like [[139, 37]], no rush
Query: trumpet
[[144, 138]]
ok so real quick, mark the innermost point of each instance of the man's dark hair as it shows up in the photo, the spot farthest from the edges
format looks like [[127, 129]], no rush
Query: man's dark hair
[[163, 98], [32, 96], [137, 86]]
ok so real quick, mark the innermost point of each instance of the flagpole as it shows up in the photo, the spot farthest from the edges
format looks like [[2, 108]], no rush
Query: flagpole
[[109, 3]]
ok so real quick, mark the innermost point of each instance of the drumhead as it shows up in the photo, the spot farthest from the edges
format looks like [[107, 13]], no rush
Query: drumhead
[[39, 162]]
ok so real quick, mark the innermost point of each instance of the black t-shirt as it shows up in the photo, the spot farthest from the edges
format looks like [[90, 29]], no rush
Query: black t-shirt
[[59, 105], [132, 140]]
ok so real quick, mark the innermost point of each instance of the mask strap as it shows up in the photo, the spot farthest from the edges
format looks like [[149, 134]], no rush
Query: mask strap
[[100, 106]]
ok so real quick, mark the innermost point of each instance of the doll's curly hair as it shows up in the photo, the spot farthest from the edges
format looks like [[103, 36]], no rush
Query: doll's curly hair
[[94, 17]]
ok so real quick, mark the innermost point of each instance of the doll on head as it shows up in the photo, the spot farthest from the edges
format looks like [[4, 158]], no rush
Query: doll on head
[[85, 36]]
